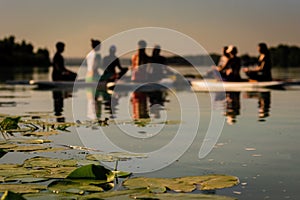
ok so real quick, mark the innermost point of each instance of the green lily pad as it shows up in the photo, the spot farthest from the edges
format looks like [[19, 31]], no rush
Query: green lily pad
[[92, 171], [122, 174], [116, 195], [114, 156], [48, 195], [52, 149], [7, 146], [26, 141], [22, 188], [9, 123], [8, 195], [168, 196], [41, 133], [28, 148], [59, 172], [100, 157], [69, 186], [44, 162], [2, 153], [184, 184], [25, 179], [17, 170]]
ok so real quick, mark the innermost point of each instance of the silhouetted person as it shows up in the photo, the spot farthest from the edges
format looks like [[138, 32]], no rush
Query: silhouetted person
[[231, 70], [138, 63], [93, 62], [158, 67], [60, 73], [262, 72], [110, 65]]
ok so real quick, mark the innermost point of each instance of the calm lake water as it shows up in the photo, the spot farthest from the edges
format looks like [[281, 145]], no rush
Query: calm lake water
[[259, 142]]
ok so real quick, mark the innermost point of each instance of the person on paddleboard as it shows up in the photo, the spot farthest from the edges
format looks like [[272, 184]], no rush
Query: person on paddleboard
[[231, 70], [111, 64], [139, 63], [93, 61], [60, 72], [262, 72]]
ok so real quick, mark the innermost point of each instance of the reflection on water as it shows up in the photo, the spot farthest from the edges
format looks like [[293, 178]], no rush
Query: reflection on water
[[233, 104], [58, 102], [264, 103], [145, 104], [23, 73], [99, 102], [232, 109]]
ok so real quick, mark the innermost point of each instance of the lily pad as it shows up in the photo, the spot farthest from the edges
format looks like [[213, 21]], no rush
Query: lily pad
[[26, 141], [22, 188], [184, 184], [9, 123], [27, 148], [44, 162], [69, 186], [7, 146], [25, 179], [41, 133], [8, 195], [114, 156], [168, 196], [92, 171]]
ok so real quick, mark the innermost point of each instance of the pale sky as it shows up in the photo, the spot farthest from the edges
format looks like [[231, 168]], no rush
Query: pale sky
[[212, 23]]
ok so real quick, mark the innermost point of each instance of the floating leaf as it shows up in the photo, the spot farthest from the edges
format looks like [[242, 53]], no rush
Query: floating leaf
[[22, 188], [41, 133], [92, 171], [68, 186], [9, 123], [8, 195], [48, 195], [168, 196], [7, 146], [44, 162], [2, 153], [28, 148], [184, 184], [26, 141], [122, 174], [25, 179], [116, 195], [114, 156]]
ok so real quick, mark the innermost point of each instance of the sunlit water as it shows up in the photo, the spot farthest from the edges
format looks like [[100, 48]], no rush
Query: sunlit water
[[258, 143]]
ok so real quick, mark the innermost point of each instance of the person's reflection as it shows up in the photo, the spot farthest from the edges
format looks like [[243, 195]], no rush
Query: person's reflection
[[58, 100], [232, 106], [139, 105], [157, 100], [145, 104], [264, 102], [94, 104], [98, 100]]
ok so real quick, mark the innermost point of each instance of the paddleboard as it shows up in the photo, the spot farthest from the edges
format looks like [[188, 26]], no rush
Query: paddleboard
[[214, 85]]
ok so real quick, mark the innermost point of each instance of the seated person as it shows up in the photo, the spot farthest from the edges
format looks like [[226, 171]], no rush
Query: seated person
[[110, 63], [231, 70], [262, 72], [60, 73]]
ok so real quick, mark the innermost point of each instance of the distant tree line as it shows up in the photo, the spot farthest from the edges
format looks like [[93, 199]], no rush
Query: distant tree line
[[282, 56], [21, 54]]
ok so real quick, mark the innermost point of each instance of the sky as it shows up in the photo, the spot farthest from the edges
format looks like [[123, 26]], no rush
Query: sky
[[211, 23]]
